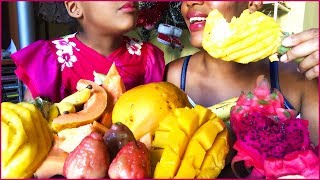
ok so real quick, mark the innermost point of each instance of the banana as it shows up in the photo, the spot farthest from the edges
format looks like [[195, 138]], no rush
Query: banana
[[79, 97], [223, 109], [18, 135], [65, 107], [53, 113]]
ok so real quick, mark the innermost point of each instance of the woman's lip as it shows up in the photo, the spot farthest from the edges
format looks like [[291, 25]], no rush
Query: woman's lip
[[128, 7], [191, 14], [197, 26]]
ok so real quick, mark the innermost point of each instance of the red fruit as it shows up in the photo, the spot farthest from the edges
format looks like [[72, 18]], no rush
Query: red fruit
[[88, 160], [266, 133], [132, 162]]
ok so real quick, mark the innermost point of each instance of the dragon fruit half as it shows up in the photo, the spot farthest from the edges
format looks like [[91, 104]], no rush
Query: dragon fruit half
[[271, 141]]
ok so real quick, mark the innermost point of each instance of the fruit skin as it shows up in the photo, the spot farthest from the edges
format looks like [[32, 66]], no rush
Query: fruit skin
[[117, 137], [93, 109], [79, 97], [222, 109], [132, 162], [65, 107], [89, 160], [143, 107], [114, 87]]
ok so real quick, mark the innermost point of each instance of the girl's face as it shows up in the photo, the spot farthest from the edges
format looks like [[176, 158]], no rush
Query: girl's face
[[109, 17], [195, 12]]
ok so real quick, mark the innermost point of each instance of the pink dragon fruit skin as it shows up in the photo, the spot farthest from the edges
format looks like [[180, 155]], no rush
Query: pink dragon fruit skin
[[266, 131]]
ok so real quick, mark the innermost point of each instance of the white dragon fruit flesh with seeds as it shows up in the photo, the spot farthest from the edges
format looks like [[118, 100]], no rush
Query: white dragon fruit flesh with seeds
[[271, 141]]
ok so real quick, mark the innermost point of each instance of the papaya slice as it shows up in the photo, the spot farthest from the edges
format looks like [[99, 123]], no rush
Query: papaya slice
[[114, 87], [92, 110]]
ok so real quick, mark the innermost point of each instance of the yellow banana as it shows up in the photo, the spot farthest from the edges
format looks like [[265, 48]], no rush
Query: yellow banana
[[18, 135], [79, 97], [223, 109], [53, 113], [65, 107]]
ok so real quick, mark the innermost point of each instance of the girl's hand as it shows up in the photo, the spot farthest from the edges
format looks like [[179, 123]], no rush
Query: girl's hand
[[305, 45]]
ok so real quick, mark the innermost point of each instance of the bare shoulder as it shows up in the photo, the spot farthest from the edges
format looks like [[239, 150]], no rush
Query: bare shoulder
[[296, 87], [173, 71]]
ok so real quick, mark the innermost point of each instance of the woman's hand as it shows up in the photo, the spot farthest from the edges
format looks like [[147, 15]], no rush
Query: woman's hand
[[305, 46]]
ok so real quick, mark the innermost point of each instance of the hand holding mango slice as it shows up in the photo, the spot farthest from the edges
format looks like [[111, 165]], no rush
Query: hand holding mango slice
[[249, 38]]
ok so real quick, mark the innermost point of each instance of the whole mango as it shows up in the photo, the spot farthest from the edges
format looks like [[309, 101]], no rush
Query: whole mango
[[141, 108]]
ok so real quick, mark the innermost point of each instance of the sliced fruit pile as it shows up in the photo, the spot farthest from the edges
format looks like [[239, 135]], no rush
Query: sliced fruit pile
[[26, 139], [249, 38], [189, 143]]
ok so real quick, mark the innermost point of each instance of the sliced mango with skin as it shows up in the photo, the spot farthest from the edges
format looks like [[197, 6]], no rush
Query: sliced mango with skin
[[207, 133], [176, 140], [216, 154], [168, 164], [187, 119], [203, 114], [195, 153], [160, 139], [169, 123], [186, 170], [187, 135]]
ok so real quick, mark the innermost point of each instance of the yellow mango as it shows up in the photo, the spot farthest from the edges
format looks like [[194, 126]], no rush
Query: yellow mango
[[143, 115], [169, 123], [168, 164], [203, 114], [160, 139], [187, 119], [206, 134], [214, 160], [195, 152], [176, 140], [218, 152], [186, 170]]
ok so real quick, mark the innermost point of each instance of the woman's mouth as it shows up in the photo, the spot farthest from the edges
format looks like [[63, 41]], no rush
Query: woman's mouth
[[128, 7], [197, 23]]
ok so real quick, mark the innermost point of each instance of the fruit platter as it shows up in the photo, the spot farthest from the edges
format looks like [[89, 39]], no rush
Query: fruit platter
[[153, 131]]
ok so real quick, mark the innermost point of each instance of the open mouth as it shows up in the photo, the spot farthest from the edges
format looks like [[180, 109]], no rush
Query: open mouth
[[197, 19]]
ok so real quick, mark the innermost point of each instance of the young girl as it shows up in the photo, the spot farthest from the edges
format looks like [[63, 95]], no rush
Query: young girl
[[209, 81], [52, 69]]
